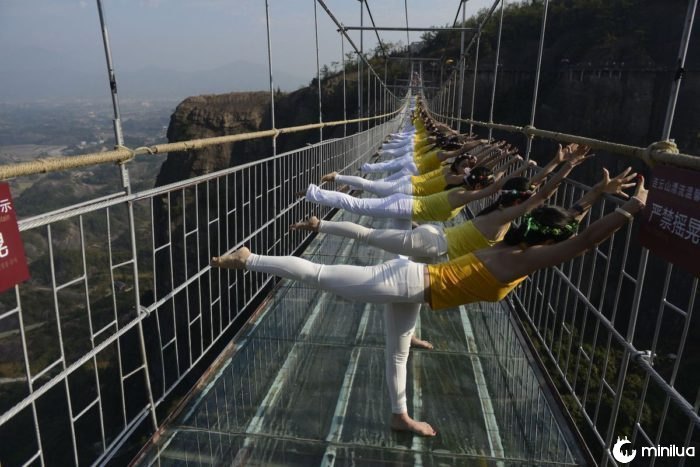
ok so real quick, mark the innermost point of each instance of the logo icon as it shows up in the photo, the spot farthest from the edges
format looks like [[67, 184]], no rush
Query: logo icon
[[623, 456]]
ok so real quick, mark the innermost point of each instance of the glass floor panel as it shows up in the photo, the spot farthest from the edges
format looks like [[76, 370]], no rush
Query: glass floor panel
[[304, 385]]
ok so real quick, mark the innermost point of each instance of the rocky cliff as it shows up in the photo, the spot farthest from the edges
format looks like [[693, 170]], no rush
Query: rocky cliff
[[209, 116], [242, 112]]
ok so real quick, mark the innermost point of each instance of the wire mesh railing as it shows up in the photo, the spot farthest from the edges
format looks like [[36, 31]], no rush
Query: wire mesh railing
[[612, 327], [617, 376], [620, 373], [122, 305]]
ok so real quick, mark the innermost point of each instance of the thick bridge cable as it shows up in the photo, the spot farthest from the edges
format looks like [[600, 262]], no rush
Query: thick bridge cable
[[342, 31], [537, 76], [318, 74], [122, 155], [656, 153], [496, 67], [376, 32]]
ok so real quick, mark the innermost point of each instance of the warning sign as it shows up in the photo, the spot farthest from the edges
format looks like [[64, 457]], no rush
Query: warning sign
[[671, 221], [13, 263]]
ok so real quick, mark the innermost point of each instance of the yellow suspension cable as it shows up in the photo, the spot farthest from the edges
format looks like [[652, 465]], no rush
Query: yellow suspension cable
[[122, 154], [660, 152]]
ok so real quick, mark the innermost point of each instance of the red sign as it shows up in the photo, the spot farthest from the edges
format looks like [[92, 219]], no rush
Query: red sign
[[13, 264], [671, 222]]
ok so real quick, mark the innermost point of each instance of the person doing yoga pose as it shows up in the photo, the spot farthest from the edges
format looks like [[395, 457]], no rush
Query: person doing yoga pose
[[544, 238], [423, 161], [420, 185], [430, 241], [437, 207]]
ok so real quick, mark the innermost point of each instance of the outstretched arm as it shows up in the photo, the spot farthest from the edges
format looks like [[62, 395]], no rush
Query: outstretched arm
[[487, 152], [443, 155], [545, 256], [606, 185], [458, 198], [563, 154], [493, 162], [503, 216]]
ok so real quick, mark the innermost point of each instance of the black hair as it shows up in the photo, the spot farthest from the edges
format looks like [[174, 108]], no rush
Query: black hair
[[514, 189], [458, 160], [477, 176], [542, 224]]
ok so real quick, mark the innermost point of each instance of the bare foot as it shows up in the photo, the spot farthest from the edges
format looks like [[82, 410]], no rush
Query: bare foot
[[402, 422], [310, 224], [329, 177], [235, 260], [420, 344]]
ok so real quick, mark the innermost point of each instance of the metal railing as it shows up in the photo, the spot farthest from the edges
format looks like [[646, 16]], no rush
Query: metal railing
[[619, 373], [613, 337], [122, 305], [611, 326]]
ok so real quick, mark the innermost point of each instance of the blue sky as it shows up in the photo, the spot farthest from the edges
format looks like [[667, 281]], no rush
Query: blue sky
[[196, 35]]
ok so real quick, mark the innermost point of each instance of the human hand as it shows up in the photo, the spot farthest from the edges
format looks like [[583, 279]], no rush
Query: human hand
[[565, 153], [617, 184], [574, 154], [637, 202], [509, 150]]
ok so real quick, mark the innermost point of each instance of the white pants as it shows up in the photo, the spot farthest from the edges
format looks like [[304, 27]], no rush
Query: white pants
[[400, 163], [399, 325], [396, 206], [399, 140], [395, 281], [399, 144], [425, 241], [378, 187], [398, 152], [403, 173]]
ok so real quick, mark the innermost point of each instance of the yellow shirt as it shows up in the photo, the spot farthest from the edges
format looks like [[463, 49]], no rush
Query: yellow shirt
[[429, 186], [419, 135], [465, 238], [415, 179], [465, 280], [433, 208], [422, 144], [428, 162]]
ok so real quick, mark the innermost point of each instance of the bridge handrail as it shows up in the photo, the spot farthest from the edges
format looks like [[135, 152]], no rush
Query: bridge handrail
[[649, 155], [240, 191], [122, 154]]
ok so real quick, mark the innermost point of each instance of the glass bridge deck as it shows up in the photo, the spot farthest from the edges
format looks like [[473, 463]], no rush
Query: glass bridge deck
[[303, 384]]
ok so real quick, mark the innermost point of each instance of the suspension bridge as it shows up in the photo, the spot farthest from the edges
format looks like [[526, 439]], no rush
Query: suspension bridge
[[182, 364]]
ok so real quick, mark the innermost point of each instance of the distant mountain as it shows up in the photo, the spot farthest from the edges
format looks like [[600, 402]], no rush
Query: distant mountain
[[32, 74]]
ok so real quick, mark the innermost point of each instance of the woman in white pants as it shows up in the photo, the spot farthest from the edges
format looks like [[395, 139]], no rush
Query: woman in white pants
[[437, 207], [428, 160], [430, 242], [542, 240], [408, 184]]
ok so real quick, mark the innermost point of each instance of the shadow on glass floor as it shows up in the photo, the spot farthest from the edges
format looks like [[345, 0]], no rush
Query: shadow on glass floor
[[305, 386]]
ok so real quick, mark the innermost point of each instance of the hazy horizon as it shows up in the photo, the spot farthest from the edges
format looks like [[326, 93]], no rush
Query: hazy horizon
[[53, 48]]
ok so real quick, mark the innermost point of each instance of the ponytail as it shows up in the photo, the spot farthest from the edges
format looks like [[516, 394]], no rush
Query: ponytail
[[514, 190]]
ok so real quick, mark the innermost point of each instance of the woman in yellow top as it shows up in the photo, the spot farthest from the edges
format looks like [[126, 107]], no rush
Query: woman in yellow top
[[437, 207], [430, 182], [544, 238], [429, 241], [423, 162]]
